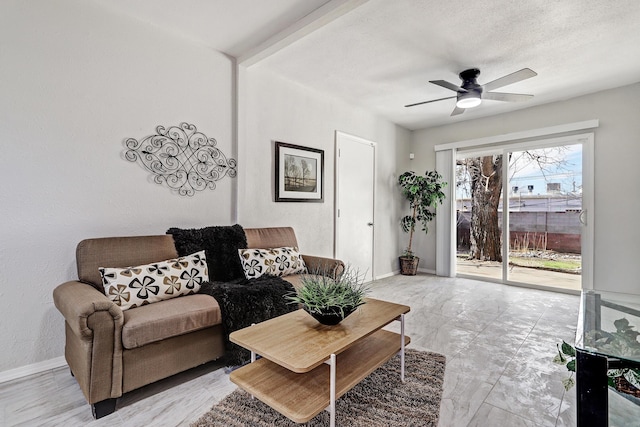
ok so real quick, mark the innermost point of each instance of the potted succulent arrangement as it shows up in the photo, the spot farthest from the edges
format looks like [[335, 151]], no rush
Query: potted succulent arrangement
[[423, 192], [330, 300], [623, 341]]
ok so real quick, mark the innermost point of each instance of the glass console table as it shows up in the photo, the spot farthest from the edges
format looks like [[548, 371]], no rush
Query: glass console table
[[606, 338]]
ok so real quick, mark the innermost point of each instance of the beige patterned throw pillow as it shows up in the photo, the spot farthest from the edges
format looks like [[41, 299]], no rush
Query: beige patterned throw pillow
[[275, 262], [132, 287]]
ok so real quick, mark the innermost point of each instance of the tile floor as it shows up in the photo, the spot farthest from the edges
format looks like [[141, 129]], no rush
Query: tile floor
[[499, 341]]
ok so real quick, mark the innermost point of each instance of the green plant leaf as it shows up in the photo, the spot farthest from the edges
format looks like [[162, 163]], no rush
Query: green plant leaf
[[633, 377], [612, 373], [321, 293], [571, 365], [568, 383], [424, 193], [568, 349], [560, 359], [407, 223]]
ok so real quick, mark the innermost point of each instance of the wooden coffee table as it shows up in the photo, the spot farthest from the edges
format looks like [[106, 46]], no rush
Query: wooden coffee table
[[306, 366]]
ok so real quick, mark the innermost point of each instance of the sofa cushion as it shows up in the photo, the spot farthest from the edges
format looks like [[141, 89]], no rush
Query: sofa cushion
[[135, 286], [220, 243], [166, 319], [295, 279], [273, 261]]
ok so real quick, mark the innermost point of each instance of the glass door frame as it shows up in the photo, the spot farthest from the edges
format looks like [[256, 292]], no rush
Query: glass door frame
[[587, 215]]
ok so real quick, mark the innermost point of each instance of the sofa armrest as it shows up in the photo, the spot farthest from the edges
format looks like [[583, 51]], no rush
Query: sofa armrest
[[321, 264], [93, 346], [77, 301]]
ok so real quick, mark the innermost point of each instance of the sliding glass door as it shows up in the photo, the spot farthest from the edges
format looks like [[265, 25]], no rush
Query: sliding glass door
[[519, 212]]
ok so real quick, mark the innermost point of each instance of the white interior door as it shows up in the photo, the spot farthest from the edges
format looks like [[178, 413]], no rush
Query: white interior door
[[355, 198]]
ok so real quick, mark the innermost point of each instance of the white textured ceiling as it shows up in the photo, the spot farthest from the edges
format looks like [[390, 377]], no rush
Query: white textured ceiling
[[382, 54]]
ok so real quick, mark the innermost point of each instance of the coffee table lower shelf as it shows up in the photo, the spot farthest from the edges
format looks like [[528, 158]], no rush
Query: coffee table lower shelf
[[301, 397]]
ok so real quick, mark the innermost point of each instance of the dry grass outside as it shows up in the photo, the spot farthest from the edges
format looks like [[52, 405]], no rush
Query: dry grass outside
[[565, 266], [543, 260]]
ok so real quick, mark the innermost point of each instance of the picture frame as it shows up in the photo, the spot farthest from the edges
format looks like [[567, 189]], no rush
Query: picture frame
[[299, 173]]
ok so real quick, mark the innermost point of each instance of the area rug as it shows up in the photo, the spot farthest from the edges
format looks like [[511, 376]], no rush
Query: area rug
[[381, 399]]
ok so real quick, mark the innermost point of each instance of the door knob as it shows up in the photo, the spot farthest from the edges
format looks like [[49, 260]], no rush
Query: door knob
[[370, 224]]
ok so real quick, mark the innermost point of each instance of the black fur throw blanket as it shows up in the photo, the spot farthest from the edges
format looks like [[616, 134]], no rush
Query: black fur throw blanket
[[220, 243], [246, 301]]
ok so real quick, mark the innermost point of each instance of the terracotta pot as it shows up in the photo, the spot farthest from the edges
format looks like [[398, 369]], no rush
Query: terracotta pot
[[409, 265]]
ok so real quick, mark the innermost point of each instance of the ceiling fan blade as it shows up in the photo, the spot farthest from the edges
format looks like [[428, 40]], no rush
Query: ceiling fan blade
[[447, 85], [457, 111], [515, 77], [427, 102], [509, 97]]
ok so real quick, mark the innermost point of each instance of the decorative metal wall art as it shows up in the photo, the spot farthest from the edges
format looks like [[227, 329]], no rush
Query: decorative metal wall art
[[182, 158]]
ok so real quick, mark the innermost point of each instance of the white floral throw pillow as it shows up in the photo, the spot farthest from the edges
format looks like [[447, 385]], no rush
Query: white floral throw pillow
[[275, 262], [132, 287]]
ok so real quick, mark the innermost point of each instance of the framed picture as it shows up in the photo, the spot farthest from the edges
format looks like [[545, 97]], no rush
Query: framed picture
[[299, 173]]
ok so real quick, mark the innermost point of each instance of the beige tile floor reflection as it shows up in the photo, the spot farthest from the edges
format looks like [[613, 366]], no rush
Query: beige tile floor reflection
[[499, 341]]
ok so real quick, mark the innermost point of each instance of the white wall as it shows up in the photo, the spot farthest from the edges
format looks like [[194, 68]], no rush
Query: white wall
[[278, 110], [75, 81], [617, 152]]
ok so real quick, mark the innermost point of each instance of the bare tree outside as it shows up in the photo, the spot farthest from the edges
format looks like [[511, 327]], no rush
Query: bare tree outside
[[485, 181], [480, 178]]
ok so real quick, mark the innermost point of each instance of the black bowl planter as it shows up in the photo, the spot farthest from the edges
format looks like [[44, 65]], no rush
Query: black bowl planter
[[332, 316], [409, 265]]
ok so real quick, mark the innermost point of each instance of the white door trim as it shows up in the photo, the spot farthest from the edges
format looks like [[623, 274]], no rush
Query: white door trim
[[446, 217], [588, 207], [336, 238], [514, 136]]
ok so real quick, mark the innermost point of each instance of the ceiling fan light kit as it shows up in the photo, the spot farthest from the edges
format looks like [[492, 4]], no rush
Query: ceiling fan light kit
[[470, 94], [468, 100]]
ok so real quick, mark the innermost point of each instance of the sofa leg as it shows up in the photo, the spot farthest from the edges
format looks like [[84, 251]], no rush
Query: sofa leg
[[103, 408]]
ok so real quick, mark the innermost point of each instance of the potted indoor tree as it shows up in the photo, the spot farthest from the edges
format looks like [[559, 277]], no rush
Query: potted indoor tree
[[423, 192]]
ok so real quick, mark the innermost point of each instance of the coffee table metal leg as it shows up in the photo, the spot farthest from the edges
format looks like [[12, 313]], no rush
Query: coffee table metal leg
[[253, 359], [253, 356], [401, 352], [402, 347], [332, 391]]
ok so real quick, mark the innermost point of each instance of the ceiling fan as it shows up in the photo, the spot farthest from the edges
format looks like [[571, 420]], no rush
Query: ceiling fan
[[470, 94]]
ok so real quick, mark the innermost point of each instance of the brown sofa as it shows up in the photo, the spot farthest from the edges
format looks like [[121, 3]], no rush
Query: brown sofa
[[111, 351]]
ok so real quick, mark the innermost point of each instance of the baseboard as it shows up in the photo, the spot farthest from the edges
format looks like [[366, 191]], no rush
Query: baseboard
[[384, 276], [397, 272], [35, 368]]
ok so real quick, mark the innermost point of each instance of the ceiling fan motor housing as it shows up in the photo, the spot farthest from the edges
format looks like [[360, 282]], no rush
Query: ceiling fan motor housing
[[470, 93], [469, 82]]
